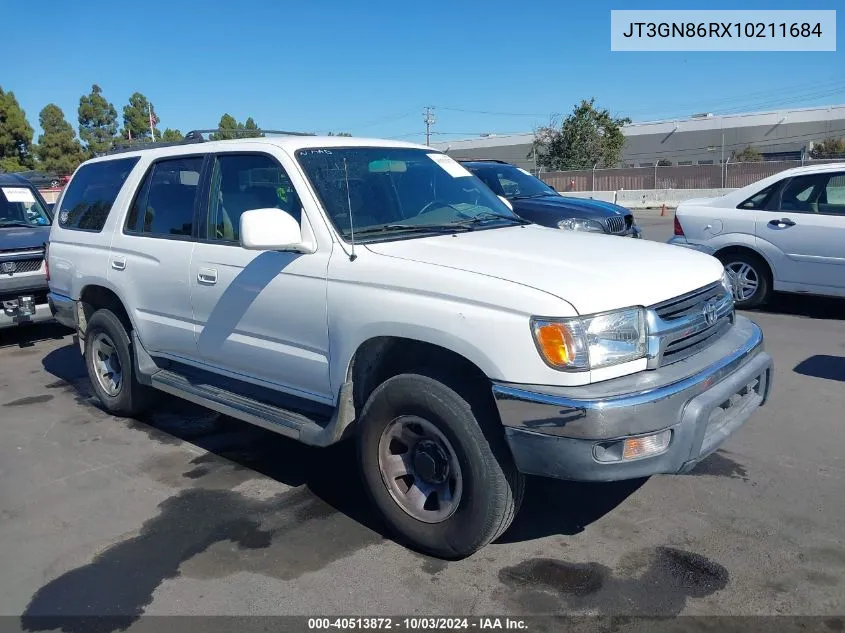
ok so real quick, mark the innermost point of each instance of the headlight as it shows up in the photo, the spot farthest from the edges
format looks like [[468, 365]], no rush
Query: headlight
[[576, 224], [592, 341]]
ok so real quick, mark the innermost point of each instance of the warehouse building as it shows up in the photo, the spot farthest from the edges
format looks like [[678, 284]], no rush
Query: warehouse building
[[703, 139]]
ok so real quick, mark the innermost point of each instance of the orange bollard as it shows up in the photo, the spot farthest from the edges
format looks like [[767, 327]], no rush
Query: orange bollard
[[662, 209]]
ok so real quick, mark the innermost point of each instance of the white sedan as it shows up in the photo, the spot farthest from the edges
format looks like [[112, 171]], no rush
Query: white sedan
[[785, 233]]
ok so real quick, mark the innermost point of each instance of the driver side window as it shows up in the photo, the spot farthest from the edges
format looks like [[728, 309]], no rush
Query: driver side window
[[243, 182]]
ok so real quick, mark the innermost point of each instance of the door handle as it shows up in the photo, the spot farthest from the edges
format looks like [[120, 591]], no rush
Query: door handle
[[207, 276], [782, 223], [118, 263]]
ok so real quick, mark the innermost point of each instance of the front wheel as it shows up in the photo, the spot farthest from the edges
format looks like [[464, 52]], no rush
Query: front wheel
[[749, 277], [442, 478]]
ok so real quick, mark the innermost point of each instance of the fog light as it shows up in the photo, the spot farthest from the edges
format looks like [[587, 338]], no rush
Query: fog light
[[635, 447]]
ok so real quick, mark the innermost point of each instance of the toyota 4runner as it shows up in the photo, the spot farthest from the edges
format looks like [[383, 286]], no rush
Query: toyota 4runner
[[331, 287]]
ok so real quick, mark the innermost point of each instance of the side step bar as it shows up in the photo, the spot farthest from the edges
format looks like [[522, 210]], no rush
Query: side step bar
[[288, 423], [274, 418]]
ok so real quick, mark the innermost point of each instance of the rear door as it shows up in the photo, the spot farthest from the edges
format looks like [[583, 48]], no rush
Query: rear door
[[806, 227], [151, 255]]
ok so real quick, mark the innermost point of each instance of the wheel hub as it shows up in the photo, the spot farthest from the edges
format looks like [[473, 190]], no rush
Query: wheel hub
[[430, 462]]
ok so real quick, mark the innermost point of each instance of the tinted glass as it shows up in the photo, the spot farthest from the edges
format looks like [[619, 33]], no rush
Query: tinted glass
[[511, 182], [802, 193], [19, 206], [759, 200], [832, 199], [398, 189], [242, 182], [165, 203], [90, 195]]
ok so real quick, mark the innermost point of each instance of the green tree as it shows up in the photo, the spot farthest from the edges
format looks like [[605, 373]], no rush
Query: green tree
[[15, 135], [171, 136], [250, 124], [339, 134], [587, 138], [829, 148], [228, 127], [97, 122], [58, 148], [664, 162], [136, 118], [747, 155]]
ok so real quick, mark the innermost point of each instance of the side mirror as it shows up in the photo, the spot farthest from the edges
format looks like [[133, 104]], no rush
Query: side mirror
[[507, 202], [271, 230]]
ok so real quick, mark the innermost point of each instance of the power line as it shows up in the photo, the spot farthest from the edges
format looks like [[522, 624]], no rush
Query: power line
[[493, 113]]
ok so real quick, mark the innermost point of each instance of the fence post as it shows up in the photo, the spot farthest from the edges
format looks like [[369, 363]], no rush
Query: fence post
[[655, 176], [593, 185]]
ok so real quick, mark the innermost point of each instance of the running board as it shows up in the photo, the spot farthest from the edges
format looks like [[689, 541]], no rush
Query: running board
[[289, 423]]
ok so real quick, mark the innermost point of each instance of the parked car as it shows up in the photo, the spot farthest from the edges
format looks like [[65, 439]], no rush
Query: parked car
[[534, 200], [24, 230], [785, 233], [42, 180], [328, 287]]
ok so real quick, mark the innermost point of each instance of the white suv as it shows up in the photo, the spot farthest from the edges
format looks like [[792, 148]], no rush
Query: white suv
[[785, 232], [330, 287]]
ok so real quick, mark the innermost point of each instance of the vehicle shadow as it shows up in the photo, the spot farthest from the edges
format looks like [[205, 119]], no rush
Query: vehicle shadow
[[822, 366], [550, 507], [806, 306], [28, 335]]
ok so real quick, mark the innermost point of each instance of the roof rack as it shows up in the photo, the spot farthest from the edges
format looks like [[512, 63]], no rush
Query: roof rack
[[195, 136], [483, 160]]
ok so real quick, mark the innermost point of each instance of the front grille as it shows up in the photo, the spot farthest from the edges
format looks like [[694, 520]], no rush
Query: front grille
[[679, 328], [20, 266], [616, 224]]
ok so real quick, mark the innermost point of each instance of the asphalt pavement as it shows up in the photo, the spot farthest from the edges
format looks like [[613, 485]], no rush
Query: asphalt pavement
[[190, 512]]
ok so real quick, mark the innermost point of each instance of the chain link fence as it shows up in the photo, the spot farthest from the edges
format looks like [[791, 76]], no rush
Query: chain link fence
[[729, 175]]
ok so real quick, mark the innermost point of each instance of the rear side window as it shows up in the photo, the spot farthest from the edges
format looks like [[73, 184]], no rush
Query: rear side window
[[759, 200], [92, 192], [164, 206]]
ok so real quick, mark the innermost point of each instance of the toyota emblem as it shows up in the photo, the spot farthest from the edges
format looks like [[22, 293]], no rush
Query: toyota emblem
[[711, 312], [9, 267]]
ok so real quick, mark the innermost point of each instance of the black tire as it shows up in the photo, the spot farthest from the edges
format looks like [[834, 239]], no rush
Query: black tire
[[492, 487], [760, 270], [131, 398]]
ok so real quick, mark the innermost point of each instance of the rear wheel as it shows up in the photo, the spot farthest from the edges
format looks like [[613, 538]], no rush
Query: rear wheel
[[108, 358], [749, 277], [436, 465]]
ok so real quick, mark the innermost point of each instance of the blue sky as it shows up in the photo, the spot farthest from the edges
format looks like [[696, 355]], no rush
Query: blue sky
[[369, 67]]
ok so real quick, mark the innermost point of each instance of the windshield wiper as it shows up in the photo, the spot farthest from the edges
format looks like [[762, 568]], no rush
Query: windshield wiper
[[478, 218], [412, 228], [530, 195], [14, 223]]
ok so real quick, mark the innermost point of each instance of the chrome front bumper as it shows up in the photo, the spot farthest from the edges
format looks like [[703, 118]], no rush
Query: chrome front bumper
[[559, 431]]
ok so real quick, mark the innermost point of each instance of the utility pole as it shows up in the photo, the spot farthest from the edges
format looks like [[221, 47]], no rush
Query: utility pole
[[428, 119]]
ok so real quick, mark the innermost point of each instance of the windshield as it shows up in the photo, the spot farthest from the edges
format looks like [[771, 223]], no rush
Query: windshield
[[511, 182], [399, 192], [20, 207]]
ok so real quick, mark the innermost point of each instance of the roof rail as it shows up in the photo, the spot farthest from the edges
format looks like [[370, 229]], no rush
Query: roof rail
[[246, 131], [483, 160]]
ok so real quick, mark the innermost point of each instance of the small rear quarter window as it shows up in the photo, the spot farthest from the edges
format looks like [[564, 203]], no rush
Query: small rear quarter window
[[91, 193]]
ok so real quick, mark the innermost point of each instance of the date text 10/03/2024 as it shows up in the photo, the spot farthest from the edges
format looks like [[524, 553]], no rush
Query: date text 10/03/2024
[[417, 623]]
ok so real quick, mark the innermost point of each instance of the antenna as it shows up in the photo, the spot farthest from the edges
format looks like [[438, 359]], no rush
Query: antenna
[[352, 254]]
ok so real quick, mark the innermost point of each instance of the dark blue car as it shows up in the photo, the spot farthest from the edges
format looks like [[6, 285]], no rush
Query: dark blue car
[[536, 201]]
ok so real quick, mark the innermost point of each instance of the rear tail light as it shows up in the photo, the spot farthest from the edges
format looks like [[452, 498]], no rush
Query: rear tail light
[[679, 230], [47, 260]]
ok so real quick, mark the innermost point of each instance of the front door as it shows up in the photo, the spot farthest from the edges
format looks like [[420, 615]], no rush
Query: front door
[[807, 229], [260, 315]]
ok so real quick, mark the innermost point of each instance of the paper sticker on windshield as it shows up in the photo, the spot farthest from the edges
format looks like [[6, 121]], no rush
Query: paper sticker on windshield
[[18, 194], [527, 173], [450, 165]]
